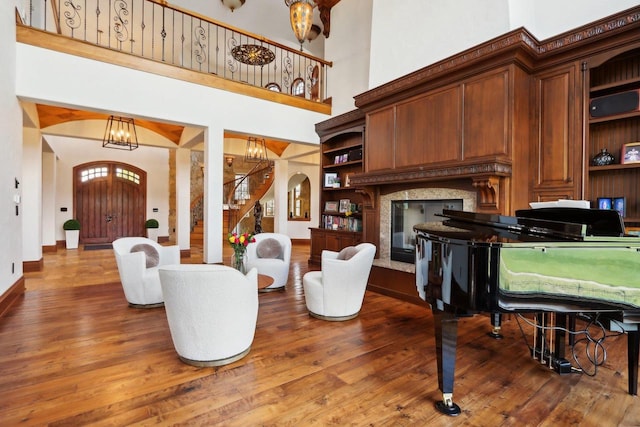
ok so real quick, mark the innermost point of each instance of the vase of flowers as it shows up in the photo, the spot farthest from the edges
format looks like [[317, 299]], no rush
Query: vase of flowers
[[239, 243]]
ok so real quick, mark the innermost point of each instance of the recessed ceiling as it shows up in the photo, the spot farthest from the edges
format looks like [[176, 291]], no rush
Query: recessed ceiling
[[50, 115]]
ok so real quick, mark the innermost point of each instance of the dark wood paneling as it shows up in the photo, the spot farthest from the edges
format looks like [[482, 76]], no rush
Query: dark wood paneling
[[381, 135], [332, 240], [418, 139], [485, 129], [555, 149], [395, 283]]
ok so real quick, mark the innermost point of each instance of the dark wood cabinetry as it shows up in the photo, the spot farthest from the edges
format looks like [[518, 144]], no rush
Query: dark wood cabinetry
[[556, 159], [509, 120], [341, 210], [614, 74]]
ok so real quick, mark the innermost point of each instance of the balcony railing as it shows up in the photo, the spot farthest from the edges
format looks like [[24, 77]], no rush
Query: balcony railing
[[168, 34]]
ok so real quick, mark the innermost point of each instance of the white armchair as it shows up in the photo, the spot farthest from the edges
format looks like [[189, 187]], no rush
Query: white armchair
[[212, 311], [139, 269], [271, 255], [336, 292]]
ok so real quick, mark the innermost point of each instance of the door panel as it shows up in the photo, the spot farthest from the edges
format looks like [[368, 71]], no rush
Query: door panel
[[110, 201]]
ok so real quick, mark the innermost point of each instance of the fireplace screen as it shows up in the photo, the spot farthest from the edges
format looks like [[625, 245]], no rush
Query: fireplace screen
[[407, 213]]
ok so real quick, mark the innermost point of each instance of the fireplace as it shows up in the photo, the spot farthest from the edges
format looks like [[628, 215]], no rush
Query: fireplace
[[407, 213], [468, 198]]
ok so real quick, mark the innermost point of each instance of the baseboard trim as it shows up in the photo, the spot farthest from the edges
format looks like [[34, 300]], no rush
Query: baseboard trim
[[50, 249], [301, 241], [32, 266], [11, 296], [185, 253]]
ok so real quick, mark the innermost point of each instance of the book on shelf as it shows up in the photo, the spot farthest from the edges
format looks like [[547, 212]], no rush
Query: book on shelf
[[335, 222]]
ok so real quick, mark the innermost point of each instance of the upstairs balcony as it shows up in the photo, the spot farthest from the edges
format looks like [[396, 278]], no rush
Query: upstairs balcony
[[157, 37]]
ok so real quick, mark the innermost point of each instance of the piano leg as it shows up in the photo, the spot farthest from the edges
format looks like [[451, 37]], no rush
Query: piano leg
[[446, 332], [496, 323], [633, 348]]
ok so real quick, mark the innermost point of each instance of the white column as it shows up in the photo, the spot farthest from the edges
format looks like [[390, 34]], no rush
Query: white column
[[281, 171], [183, 198], [48, 198], [213, 183], [30, 206]]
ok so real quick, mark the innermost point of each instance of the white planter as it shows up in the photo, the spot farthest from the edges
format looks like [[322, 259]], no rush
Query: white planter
[[152, 233], [72, 237]]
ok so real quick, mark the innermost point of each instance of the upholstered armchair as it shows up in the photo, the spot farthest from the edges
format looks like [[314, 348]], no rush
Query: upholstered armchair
[[138, 259], [271, 255], [336, 292], [212, 312]]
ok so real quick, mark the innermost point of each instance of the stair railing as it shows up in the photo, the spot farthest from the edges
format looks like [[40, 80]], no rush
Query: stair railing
[[156, 30]]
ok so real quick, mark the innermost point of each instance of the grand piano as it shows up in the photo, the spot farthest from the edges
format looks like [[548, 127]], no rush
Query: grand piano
[[565, 262]]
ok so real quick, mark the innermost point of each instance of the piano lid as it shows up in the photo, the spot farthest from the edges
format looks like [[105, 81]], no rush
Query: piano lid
[[521, 226], [572, 224]]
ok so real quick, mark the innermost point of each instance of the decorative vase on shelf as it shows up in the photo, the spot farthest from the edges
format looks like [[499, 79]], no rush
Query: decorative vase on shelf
[[238, 261], [603, 158]]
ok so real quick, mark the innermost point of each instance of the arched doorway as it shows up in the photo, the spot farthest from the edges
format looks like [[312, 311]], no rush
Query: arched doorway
[[109, 201]]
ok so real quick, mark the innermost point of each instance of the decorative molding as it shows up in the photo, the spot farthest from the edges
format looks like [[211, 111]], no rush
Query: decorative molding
[[518, 43], [353, 119], [488, 188], [431, 173]]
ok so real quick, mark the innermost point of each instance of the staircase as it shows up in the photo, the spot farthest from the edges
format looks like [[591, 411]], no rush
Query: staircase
[[261, 178]]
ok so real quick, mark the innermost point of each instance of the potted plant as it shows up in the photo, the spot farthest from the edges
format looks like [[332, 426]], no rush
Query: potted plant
[[71, 229], [152, 229]]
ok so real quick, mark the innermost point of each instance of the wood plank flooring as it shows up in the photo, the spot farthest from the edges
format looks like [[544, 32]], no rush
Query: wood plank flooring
[[73, 353]]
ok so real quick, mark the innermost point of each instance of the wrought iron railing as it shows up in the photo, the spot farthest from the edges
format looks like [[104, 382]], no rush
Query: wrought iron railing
[[168, 34]]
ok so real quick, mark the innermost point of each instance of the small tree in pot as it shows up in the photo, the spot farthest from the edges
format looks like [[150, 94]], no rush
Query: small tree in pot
[[71, 229], [152, 229]]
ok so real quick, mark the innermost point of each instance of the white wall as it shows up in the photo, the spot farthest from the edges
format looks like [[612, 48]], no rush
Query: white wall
[[11, 159], [300, 229], [72, 152], [405, 39], [419, 33], [553, 17], [349, 48], [31, 203], [49, 166]]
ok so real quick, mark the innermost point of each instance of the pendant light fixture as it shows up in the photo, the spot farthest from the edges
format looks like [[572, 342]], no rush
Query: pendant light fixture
[[301, 17], [120, 133], [233, 4]]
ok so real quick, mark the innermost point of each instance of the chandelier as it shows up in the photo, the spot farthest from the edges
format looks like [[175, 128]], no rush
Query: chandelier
[[301, 17], [252, 54], [120, 133], [256, 150]]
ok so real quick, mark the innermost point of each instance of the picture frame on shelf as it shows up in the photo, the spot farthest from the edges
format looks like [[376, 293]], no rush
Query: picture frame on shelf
[[337, 159], [347, 179], [604, 202], [630, 153], [619, 204], [331, 206], [345, 205], [330, 179]]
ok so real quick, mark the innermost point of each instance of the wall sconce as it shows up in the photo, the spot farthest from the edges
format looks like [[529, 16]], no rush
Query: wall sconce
[[228, 160]]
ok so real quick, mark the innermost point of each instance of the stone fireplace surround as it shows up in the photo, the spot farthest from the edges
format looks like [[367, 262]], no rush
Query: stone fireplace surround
[[469, 202]]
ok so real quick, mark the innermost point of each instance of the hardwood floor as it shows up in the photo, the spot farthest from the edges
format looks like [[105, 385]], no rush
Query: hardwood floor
[[73, 353]]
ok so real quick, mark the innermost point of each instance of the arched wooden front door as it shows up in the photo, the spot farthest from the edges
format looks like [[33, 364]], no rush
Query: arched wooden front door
[[109, 201]]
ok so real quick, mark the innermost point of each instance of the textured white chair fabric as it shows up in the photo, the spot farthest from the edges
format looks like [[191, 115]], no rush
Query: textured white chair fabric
[[336, 291], [277, 267], [141, 285], [212, 312]]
